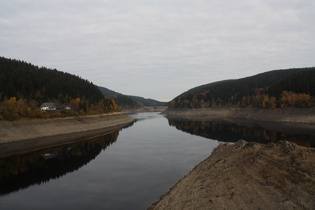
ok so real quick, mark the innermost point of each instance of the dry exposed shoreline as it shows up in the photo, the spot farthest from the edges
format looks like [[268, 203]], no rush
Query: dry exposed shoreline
[[284, 115], [26, 135], [247, 176]]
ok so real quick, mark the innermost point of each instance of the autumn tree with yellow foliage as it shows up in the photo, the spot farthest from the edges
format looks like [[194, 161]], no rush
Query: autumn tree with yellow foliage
[[24, 87]]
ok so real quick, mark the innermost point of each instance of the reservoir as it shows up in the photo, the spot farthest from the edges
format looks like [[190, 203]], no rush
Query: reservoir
[[126, 169]]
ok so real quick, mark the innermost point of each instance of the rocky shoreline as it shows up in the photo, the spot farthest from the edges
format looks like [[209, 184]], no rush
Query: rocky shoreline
[[247, 176], [27, 135]]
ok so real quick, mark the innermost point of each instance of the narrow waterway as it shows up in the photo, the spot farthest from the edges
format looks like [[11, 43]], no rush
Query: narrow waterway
[[126, 169]]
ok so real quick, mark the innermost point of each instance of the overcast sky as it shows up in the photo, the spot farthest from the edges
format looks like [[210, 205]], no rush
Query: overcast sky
[[159, 48]]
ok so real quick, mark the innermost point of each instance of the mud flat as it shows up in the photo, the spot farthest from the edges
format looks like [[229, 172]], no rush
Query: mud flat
[[27, 135], [247, 176]]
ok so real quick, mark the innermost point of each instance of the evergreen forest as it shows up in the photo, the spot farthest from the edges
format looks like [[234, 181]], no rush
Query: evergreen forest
[[24, 87], [128, 101], [273, 89], [122, 100]]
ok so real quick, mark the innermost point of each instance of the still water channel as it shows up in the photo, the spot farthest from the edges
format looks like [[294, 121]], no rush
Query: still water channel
[[127, 169]]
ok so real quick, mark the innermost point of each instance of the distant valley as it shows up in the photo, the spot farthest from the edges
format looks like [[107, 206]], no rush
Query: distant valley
[[24, 87], [131, 101]]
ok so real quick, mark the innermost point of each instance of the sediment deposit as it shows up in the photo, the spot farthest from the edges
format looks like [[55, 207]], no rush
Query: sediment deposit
[[25, 135], [248, 176], [284, 115]]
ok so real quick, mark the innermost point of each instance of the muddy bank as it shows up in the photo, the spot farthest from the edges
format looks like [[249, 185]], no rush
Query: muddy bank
[[247, 176], [27, 135], [284, 115]]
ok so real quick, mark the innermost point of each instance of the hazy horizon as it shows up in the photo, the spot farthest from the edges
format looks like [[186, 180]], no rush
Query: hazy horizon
[[159, 49]]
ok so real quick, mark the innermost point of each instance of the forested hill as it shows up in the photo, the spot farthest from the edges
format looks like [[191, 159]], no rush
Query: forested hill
[[278, 88], [131, 101], [24, 80], [122, 100], [31, 85], [147, 101]]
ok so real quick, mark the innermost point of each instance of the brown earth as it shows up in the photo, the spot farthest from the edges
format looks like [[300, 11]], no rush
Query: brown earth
[[284, 115], [26, 135], [248, 176]]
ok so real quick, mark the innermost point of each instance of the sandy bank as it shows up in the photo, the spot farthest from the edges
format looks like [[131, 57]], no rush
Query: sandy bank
[[27, 135], [248, 176], [285, 115]]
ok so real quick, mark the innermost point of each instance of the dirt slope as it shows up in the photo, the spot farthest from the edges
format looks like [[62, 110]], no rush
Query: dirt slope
[[36, 128], [23, 136], [248, 176], [284, 115]]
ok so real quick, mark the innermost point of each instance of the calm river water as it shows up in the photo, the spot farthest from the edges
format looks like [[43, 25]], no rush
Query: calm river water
[[127, 169]]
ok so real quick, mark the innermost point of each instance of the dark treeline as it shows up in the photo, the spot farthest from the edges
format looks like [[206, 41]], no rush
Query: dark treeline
[[125, 101], [279, 88], [128, 101], [300, 82], [147, 101], [30, 86], [24, 80], [122, 100]]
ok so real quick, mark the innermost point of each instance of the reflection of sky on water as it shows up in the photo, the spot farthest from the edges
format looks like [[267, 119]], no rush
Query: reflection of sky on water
[[145, 115], [146, 160]]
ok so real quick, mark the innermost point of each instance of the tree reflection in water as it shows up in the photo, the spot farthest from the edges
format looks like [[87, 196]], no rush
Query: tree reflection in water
[[20, 171], [249, 131]]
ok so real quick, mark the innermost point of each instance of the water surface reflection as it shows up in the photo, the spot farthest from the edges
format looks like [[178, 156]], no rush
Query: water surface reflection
[[133, 173], [21, 171], [248, 130]]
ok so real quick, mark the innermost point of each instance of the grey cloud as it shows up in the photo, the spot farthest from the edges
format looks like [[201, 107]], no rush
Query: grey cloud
[[124, 45]]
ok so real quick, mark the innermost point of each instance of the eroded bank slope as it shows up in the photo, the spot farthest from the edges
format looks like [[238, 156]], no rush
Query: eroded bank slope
[[19, 136], [284, 115], [248, 176]]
